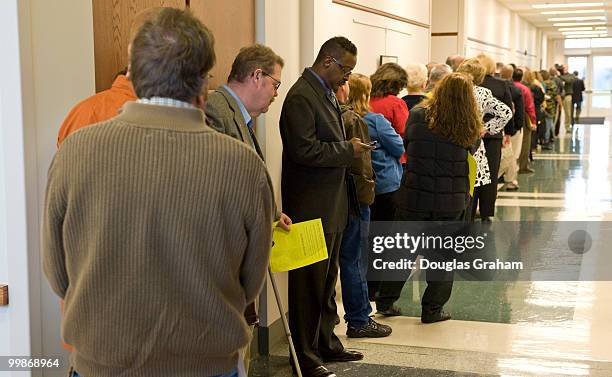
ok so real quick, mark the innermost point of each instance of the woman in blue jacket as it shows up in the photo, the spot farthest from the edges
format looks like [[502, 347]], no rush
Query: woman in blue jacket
[[385, 158]]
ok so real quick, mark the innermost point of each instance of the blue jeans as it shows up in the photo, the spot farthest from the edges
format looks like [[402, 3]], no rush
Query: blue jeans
[[548, 129], [354, 268], [233, 373]]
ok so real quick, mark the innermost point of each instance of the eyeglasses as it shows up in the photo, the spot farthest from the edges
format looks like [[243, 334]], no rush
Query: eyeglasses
[[276, 84], [347, 70]]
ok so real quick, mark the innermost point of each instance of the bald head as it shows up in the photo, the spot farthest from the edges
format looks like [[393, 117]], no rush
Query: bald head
[[454, 61], [506, 72]]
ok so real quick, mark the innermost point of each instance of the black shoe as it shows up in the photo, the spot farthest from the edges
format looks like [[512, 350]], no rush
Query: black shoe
[[511, 186], [526, 171], [437, 317], [343, 356], [486, 219], [372, 329], [547, 147], [393, 311], [319, 371]]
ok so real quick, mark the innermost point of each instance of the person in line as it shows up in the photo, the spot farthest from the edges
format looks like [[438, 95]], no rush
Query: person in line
[[314, 184], [537, 92], [554, 74], [435, 185], [385, 157], [436, 75], [252, 85], [529, 121], [353, 252], [577, 97], [387, 82], [134, 215], [568, 93], [417, 82], [513, 136], [500, 90], [495, 116], [549, 111], [454, 61]]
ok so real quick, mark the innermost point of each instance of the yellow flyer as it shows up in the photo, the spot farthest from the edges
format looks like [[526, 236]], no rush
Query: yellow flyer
[[472, 172], [302, 246]]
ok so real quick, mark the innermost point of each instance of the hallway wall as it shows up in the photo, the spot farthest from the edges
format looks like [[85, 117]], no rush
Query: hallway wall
[[501, 33]]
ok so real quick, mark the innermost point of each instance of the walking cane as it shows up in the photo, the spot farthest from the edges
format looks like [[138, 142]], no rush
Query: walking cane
[[284, 319]]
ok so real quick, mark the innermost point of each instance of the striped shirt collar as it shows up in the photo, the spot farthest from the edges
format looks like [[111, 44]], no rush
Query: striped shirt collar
[[163, 101]]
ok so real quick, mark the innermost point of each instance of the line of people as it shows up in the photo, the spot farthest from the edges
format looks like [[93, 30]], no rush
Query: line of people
[[158, 220]]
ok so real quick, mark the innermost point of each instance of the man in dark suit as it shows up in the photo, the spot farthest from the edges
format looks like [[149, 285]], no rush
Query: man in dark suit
[[252, 86], [577, 97], [316, 156]]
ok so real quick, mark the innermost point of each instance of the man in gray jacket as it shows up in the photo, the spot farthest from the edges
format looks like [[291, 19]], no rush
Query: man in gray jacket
[[252, 86]]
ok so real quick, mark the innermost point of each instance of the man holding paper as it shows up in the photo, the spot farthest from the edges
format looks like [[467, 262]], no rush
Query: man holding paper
[[316, 156]]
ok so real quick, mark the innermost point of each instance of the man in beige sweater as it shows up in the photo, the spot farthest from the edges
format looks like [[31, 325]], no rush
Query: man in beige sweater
[[157, 229]]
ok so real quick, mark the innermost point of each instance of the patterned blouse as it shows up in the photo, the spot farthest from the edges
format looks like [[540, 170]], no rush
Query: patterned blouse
[[487, 104]]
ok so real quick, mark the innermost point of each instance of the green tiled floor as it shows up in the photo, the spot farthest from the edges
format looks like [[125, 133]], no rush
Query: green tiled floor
[[580, 173]]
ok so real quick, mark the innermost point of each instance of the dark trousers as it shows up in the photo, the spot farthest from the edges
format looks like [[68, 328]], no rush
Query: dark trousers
[[383, 209], [439, 282], [312, 309], [486, 195], [558, 122]]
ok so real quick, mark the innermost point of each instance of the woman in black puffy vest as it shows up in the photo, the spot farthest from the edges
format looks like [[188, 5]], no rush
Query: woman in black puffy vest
[[435, 185]]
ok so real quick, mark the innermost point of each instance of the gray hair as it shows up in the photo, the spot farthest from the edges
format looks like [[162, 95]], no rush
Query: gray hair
[[417, 75]]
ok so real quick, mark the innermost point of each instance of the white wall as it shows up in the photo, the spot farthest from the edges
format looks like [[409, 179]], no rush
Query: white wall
[[505, 34], [374, 35], [47, 66]]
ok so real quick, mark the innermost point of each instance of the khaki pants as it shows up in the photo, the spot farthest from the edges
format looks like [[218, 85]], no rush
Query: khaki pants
[[509, 165], [523, 160], [568, 109], [244, 358]]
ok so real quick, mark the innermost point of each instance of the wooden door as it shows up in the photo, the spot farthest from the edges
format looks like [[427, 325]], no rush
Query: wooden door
[[233, 24], [231, 21], [112, 20]]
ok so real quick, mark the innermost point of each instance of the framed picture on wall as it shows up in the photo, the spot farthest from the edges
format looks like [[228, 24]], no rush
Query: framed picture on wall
[[387, 59]]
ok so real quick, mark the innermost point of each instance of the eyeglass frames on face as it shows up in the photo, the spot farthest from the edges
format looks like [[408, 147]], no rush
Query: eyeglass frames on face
[[276, 84], [345, 68]]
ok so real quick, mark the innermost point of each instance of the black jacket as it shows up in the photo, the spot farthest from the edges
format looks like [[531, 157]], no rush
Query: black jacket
[[501, 91], [316, 156], [436, 174], [518, 119]]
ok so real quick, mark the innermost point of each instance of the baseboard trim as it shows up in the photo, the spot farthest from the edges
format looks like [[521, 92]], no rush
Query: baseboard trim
[[266, 338]]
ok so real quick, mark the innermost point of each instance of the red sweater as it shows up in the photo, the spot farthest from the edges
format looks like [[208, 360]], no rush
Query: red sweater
[[395, 110]]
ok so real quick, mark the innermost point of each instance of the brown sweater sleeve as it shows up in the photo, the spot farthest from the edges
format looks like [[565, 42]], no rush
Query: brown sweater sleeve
[[259, 229], [54, 262]]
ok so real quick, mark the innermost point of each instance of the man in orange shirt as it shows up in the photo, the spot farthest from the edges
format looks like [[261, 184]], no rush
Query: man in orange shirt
[[97, 108]]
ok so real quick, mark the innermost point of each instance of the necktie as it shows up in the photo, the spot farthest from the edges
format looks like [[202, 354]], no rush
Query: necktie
[[254, 139]]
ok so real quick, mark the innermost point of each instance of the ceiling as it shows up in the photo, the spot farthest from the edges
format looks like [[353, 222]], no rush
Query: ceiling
[[525, 9]]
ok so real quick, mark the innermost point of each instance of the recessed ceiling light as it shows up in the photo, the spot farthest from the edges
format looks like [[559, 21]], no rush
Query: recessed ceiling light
[[593, 18], [576, 28], [601, 28], [562, 24], [583, 36], [584, 32], [581, 11], [566, 5]]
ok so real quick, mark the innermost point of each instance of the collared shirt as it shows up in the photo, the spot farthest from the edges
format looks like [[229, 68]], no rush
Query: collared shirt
[[243, 110], [163, 101], [245, 114], [327, 88]]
